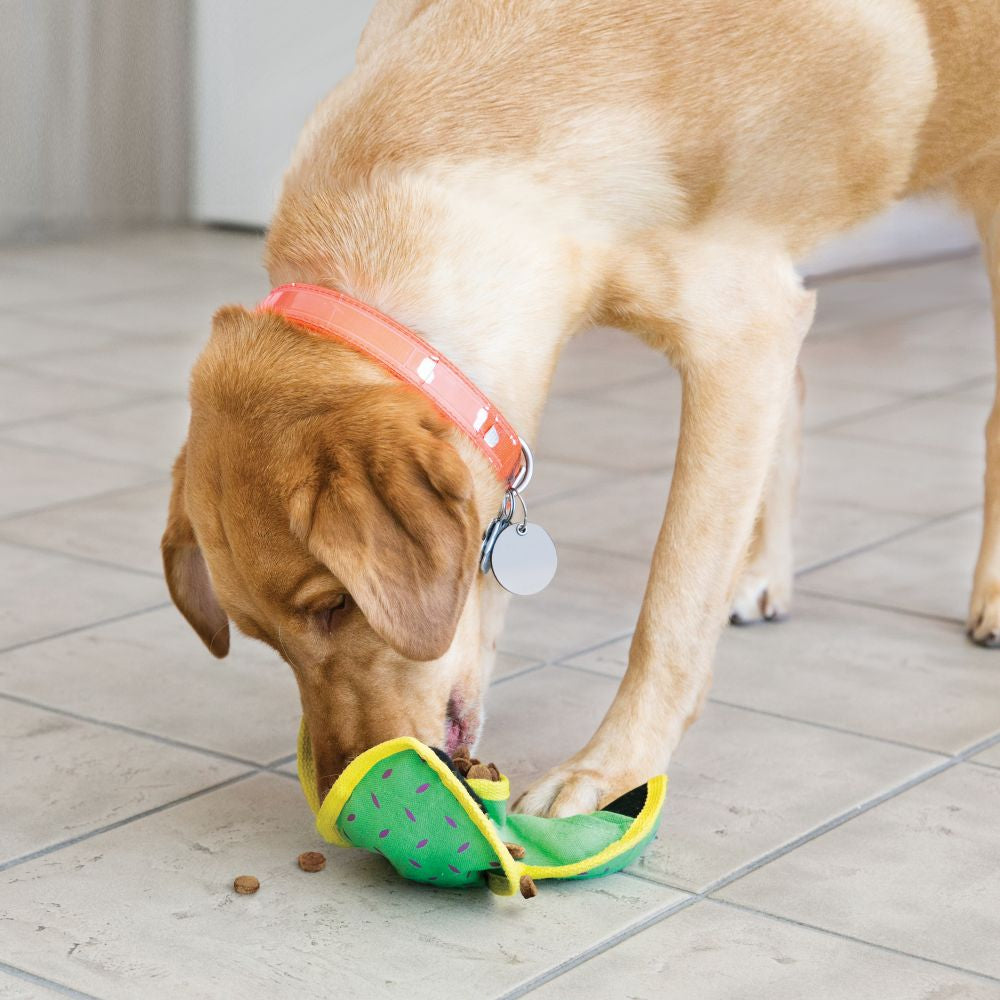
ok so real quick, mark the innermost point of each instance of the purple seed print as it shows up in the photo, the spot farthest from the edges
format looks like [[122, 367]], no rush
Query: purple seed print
[[464, 847], [416, 864], [386, 774], [375, 801], [423, 788], [422, 843], [451, 822], [454, 869], [383, 834], [494, 864], [351, 818], [410, 816]]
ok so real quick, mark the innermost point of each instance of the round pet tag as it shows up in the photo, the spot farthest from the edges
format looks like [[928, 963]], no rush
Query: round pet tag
[[524, 559]]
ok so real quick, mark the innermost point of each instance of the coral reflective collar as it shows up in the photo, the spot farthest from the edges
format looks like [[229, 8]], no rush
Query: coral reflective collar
[[409, 358]]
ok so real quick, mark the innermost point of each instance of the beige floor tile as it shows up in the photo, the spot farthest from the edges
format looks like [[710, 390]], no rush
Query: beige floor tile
[[991, 757], [891, 295], [928, 571], [918, 873], [602, 357], [33, 478], [13, 987], [622, 515], [185, 308], [26, 395], [151, 672], [89, 776], [893, 359], [952, 423], [826, 404], [741, 783], [122, 527], [154, 365], [714, 952], [178, 930], [594, 597], [883, 477], [827, 529], [147, 433], [24, 336], [139, 262], [594, 432], [878, 673], [42, 594], [553, 478]]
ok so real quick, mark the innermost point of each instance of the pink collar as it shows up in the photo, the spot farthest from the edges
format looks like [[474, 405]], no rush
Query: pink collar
[[409, 358]]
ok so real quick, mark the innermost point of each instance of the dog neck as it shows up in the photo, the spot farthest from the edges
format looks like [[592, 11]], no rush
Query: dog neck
[[470, 262]]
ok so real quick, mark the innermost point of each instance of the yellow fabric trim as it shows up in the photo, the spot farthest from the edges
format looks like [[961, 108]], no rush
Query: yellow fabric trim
[[492, 791], [329, 812], [657, 791]]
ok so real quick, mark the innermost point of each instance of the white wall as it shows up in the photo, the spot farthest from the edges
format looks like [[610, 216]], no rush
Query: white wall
[[260, 68], [258, 77]]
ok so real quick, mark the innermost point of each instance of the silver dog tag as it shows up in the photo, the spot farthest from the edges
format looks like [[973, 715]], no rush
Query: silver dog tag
[[523, 558]]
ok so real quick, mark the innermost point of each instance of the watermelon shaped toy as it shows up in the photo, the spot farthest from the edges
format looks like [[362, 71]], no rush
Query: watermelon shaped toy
[[410, 804]]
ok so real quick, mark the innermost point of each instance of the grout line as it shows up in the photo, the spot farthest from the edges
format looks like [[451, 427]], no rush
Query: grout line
[[108, 827], [897, 405], [83, 628], [897, 264], [86, 497], [749, 867], [131, 731], [830, 728], [533, 668], [593, 951], [851, 937], [142, 399], [79, 557], [895, 536], [608, 477], [60, 452], [50, 984], [876, 606]]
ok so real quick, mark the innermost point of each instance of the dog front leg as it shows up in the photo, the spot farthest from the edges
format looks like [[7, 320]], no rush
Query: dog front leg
[[736, 386]]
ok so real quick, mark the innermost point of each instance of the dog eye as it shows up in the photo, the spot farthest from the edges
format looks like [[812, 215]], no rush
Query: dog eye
[[331, 614]]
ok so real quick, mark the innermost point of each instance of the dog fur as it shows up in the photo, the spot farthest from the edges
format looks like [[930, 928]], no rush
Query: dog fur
[[498, 175]]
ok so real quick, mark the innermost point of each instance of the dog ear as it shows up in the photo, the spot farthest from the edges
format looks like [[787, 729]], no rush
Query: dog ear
[[186, 572], [391, 515]]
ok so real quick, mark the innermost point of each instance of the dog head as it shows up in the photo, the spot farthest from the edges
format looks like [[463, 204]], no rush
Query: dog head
[[321, 507]]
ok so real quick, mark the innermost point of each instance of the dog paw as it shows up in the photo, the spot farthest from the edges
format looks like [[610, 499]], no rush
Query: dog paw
[[578, 787], [983, 626], [761, 596]]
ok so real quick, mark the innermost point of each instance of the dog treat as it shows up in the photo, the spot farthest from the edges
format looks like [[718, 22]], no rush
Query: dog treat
[[403, 801], [246, 885], [312, 861]]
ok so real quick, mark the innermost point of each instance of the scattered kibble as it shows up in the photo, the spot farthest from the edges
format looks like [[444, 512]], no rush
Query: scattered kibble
[[480, 771], [312, 861], [494, 771], [246, 885], [516, 851], [528, 888]]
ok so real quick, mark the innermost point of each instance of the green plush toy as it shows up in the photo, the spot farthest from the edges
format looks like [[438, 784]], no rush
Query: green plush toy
[[411, 804]]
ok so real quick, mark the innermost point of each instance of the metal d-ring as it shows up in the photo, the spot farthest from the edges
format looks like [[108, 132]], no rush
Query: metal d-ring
[[523, 477]]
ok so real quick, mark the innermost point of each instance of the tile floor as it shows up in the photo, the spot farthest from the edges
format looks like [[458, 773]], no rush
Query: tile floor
[[833, 824]]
